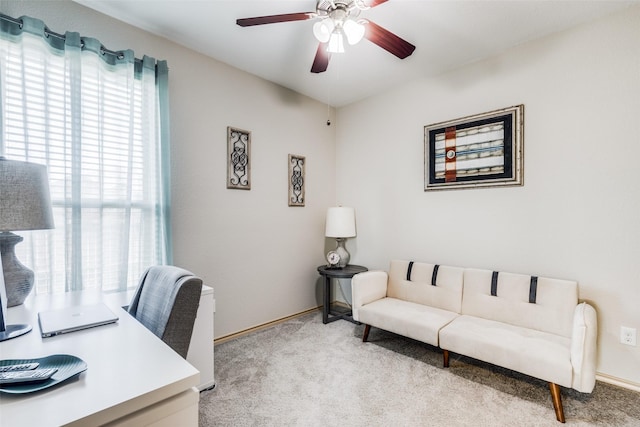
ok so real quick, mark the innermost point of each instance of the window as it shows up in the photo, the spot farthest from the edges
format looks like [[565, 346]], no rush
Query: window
[[93, 117]]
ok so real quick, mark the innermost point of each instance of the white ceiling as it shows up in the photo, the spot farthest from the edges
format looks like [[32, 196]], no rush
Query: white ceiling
[[447, 34]]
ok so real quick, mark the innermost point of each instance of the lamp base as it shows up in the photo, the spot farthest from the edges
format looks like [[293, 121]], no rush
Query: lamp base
[[12, 331], [342, 251], [18, 279]]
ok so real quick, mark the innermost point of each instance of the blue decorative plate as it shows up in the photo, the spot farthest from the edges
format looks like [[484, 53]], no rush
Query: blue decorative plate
[[68, 366]]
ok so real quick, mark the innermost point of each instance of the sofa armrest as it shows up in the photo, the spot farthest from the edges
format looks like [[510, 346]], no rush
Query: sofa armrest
[[367, 287], [583, 347]]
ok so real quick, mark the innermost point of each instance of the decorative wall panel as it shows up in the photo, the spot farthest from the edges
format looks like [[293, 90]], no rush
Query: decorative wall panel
[[296, 180], [238, 159], [484, 150]]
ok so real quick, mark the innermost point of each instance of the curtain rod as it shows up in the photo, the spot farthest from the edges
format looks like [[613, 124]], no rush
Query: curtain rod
[[50, 33]]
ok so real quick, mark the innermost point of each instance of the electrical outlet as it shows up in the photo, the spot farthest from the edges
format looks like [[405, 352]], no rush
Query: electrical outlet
[[628, 335]]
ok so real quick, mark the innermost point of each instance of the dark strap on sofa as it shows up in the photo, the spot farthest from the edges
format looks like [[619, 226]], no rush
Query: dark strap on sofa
[[409, 270], [434, 276], [494, 284], [533, 289]]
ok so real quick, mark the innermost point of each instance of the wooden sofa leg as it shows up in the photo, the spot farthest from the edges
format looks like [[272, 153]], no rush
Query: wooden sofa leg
[[445, 357], [365, 335], [557, 401]]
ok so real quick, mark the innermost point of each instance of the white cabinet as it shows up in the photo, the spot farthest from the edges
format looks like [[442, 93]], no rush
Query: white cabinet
[[200, 353]]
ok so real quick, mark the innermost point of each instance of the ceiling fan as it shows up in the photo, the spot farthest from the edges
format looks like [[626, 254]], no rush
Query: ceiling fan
[[337, 20]]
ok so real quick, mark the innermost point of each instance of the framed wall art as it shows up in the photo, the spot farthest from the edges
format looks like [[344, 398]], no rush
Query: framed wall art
[[484, 150], [297, 166], [238, 159]]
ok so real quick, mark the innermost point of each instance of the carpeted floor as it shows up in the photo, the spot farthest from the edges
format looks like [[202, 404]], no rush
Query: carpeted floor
[[304, 373]]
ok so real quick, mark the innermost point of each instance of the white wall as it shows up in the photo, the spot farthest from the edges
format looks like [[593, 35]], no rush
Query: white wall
[[259, 254], [577, 215]]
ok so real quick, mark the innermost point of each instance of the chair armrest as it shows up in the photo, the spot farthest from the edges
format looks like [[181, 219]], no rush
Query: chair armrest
[[367, 287], [583, 347]]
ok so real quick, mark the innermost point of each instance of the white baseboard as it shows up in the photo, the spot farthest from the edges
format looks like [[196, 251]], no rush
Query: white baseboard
[[244, 332], [609, 379]]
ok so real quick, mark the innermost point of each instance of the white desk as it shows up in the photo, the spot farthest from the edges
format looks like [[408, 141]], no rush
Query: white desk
[[132, 378], [200, 353]]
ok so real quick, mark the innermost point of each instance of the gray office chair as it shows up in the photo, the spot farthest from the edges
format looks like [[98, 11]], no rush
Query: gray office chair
[[166, 302]]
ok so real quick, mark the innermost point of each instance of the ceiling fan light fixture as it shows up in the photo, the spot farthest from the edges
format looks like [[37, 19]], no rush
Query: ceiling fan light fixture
[[336, 42], [354, 31], [322, 30], [335, 20]]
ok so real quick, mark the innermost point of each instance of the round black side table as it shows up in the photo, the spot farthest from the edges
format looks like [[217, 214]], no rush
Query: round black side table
[[329, 273]]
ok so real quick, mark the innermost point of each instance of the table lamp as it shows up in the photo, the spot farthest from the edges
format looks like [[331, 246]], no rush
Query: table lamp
[[341, 224], [25, 204]]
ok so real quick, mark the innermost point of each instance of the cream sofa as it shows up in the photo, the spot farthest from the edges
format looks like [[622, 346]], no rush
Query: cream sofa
[[532, 325]]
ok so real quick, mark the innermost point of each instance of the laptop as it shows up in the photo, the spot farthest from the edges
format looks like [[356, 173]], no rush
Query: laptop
[[76, 318]]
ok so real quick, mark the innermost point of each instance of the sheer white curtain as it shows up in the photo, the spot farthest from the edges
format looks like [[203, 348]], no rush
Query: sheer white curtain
[[93, 118]]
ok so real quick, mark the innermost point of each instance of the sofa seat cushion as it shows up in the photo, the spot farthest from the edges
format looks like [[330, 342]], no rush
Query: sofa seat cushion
[[406, 318], [547, 355]]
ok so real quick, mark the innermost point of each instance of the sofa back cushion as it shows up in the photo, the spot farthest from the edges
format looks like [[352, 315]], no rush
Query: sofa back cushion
[[416, 282], [542, 304]]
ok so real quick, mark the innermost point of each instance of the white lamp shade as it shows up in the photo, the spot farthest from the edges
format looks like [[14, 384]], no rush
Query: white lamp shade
[[322, 30], [353, 31], [341, 222], [336, 42], [25, 203]]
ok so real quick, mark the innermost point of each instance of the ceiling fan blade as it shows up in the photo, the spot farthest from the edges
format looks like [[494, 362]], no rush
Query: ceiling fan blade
[[374, 3], [387, 40], [321, 61], [273, 19]]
